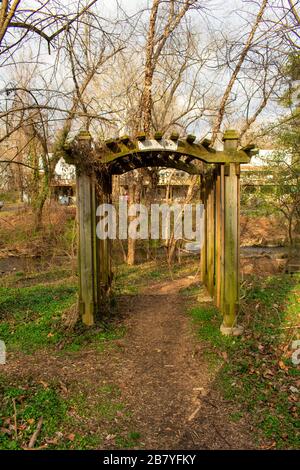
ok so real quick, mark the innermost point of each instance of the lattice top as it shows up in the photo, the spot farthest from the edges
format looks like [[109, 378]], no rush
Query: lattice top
[[125, 153]]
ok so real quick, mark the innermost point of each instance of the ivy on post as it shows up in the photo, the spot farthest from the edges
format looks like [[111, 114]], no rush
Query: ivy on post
[[230, 298]]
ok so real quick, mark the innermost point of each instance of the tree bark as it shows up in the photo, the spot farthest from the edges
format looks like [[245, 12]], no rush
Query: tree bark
[[242, 57]]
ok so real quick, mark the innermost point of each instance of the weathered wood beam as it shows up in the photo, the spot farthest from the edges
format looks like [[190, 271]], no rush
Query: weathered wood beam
[[119, 166], [230, 305], [211, 238], [86, 212], [103, 252], [203, 195], [218, 238]]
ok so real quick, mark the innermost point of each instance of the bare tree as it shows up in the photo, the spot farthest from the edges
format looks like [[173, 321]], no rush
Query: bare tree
[[45, 20], [236, 69], [47, 105]]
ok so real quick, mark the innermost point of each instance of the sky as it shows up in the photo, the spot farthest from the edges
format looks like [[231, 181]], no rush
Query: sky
[[223, 18]]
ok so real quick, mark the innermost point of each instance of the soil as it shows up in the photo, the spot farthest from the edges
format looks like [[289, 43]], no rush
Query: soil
[[162, 371]]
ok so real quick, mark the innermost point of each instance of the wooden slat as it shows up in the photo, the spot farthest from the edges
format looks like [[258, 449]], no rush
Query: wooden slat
[[231, 254], [204, 246], [86, 214], [222, 232], [104, 246], [218, 240], [210, 241]]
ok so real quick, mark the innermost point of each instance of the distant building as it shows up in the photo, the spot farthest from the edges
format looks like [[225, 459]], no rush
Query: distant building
[[63, 185], [259, 172], [172, 184]]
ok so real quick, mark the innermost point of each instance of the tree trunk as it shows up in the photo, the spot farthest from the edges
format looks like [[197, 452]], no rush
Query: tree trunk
[[40, 202], [236, 70]]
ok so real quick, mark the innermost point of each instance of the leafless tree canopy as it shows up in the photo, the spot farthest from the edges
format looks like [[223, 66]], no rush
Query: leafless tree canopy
[[192, 65]]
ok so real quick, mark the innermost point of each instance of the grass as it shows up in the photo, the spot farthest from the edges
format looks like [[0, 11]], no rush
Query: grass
[[255, 371], [82, 417], [129, 441], [43, 276], [129, 280], [86, 415], [27, 404], [31, 320], [30, 316]]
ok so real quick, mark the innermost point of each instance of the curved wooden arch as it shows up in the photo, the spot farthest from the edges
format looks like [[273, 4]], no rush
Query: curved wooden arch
[[126, 154], [220, 195], [158, 150], [133, 161]]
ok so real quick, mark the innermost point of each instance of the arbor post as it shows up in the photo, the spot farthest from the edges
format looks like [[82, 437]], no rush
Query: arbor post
[[103, 247], [203, 190], [218, 242], [86, 217], [211, 237], [231, 284]]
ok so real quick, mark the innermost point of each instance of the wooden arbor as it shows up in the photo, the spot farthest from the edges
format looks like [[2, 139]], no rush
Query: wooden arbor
[[220, 193]]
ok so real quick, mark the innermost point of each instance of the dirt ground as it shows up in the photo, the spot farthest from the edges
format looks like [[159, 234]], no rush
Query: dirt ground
[[161, 370]]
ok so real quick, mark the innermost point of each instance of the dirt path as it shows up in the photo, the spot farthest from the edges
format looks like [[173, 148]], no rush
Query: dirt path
[[168, 382], [162, 373]]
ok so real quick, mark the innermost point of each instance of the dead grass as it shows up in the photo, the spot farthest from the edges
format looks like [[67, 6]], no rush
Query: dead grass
[[18, 234]]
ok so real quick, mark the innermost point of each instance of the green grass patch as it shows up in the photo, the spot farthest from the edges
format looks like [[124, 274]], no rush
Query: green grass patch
[[25, 405], [29, 317], [132, 439], [98, 338], [256, 371], [130, 280], [32, 278], [82, 419]]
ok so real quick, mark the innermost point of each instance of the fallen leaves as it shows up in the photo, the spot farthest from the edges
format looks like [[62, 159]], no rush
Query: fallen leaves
[[283, 366], [225, 356], [268, 446]]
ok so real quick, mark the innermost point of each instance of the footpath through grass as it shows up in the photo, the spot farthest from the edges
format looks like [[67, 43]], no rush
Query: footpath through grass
[[79, 414], [257, 371]]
